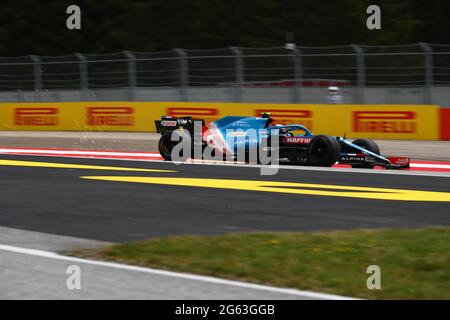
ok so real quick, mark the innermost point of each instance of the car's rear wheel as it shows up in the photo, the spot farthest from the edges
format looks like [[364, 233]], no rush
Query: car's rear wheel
[[369, 145], [323, 151], [166, 145]]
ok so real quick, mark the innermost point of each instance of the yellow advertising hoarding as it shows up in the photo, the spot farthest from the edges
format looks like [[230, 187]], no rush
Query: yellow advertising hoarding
[[370, 121]]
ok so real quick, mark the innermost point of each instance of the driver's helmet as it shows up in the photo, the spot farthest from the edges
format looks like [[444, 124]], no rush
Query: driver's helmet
[[333, 90]]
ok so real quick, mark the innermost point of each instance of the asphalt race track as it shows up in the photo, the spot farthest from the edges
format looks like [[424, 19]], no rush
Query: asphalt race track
[[53, 204], [57, 200]]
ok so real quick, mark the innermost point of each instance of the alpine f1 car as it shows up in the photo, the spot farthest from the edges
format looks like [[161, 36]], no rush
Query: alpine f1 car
[[296, 144]]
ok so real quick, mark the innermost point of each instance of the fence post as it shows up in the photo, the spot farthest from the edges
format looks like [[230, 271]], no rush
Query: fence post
[[184, 74], [83, 76], [131, 74], [239, 73], [297, 60], [428, 53], [361, 75], [37, 76]]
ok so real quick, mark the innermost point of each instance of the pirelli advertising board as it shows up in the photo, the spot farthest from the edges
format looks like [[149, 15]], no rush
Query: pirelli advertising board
[[370, 121]]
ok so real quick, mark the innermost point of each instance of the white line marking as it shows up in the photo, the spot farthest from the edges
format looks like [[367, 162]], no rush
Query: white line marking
[[310, 168], [186, 276], [431, 166], [82, 152], [154, 157]]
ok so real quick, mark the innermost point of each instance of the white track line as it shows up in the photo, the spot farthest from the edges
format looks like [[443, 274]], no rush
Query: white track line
[[82, 152], [155, 157], [187, 276], [309, 168], [430, 166]]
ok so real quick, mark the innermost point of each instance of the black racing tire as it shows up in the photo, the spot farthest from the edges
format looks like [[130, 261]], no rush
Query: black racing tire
[[369, 145], [165, 145], [323, 151]]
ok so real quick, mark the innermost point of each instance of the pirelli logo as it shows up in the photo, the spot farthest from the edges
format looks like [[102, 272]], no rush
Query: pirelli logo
[[195, 112], [304, 117], [385, 121], [110, 116], [207, 114], [36, 116]]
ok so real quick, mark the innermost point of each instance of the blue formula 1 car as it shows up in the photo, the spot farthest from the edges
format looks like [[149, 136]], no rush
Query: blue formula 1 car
[[296, 144]]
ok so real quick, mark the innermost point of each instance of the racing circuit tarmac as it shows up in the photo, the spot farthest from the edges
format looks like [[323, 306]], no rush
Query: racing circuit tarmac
[[58, 201], [103, 200]]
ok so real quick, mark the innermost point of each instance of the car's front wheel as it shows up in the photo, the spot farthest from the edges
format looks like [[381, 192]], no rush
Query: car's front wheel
[[368, 145]]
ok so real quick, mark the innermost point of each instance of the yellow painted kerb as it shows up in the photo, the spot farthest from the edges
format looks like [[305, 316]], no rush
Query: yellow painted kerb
[[289, 188]]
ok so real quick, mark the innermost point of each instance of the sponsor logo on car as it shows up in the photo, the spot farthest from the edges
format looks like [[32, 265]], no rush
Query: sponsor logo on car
[[385, 121], [110, 116], [399, 160], [236, 134], [169, 123], [304, 117], [183, 121], [36, 116], [297, 140], [353, 158]]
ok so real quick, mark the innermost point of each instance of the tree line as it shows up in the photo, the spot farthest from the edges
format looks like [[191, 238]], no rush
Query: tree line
[[38, 27]]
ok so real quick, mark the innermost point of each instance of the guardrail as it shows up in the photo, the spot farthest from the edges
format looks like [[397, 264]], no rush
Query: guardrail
[[404, 74]]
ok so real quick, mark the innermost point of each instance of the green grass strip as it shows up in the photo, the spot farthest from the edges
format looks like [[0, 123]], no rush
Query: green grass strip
[[415, 263]]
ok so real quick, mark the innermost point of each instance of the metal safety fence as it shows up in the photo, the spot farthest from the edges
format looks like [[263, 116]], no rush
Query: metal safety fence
[[403, 74]]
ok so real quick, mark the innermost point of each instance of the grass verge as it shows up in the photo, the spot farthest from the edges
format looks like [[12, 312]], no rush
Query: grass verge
[[415, 263]]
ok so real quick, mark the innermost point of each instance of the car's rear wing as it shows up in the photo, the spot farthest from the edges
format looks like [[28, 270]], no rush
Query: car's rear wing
[[167, 124]]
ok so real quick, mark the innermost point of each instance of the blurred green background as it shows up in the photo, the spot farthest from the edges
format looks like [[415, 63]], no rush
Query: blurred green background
[[37, 27]]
